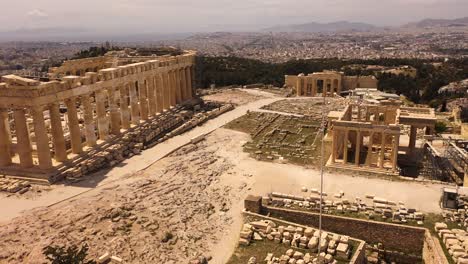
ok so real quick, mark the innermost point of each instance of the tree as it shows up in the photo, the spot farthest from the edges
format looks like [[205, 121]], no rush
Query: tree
[[69, 255]]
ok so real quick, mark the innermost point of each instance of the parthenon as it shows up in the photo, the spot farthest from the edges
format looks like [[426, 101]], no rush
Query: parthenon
[[327, 83], [50, 126]]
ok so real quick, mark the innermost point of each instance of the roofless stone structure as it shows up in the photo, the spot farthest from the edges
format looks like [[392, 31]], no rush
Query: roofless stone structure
[[366, 137], [47, 127], [327, 83]]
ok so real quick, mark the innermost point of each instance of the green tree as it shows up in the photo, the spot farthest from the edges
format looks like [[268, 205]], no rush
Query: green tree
[[69, 255]]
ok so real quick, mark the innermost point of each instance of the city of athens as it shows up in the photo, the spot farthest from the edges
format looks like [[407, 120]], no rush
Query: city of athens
[[234, 132]]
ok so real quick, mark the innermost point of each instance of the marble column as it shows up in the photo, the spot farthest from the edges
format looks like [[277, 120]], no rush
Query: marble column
[[358, 148], [173, 91], [345, 146], [124, 111], [166, 91], [152, 96], [369, 149], [359, 113], [159, 93], [298, 86], [23, 144], [412, 139], [42, 140], [314, 87], [135, 111], [5, 140], [89, 127], [178, 90], [102, 119], [190, 82], [183, 84], [382, 150], [143, 97], [58, 139], [74, 126], [396, 144], [114, 110], [339, 87], [334, 138]]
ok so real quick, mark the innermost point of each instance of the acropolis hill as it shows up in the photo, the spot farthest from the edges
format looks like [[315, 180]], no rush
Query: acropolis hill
[[124, 155]]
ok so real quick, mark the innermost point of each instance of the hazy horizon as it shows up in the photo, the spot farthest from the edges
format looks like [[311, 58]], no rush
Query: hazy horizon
[[183, 16]]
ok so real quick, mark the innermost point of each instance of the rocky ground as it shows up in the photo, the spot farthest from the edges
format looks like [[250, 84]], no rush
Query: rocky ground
[[234, 96], [309, 106], [169, 213]]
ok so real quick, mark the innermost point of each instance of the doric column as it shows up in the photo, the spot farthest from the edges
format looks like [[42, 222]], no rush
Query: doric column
[[334, 138], [166, 91], [298, 86], [23, 144], [358, 147], [42, 140], [178, 87], [412, 139], [339, 88], [314, 87], [382, 150], [159, 93], [102, 119], [142, 90], [89, 127], [173, 93], [359, 113], [189, 75], [135, 111], [74, 126], [369, 149], [114, 110], [183, 84], [345, 146], [396, 144], [124, 111], [152, 96], [5, 140], [58, 139]]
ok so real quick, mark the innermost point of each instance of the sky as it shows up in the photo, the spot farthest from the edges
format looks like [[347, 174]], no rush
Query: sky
[[175, 16]]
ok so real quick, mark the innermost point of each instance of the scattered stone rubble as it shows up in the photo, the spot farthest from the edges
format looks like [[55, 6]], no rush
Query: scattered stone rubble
[[14, 185], [311, 107], [143, 136], [151, 217], [459, 216], [456, 242], [372, 207], [308, 240], [280, 137]]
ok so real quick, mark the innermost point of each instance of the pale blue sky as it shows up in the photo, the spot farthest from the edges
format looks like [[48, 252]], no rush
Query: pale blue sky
[[168, 16]]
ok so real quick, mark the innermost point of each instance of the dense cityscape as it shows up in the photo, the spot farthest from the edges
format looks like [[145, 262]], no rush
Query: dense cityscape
[[317, 143]]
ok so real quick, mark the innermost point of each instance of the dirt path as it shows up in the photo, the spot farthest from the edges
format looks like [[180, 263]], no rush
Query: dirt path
[[14, 206]]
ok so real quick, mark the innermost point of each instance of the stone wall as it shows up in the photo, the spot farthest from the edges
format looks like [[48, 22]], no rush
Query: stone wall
[[406, 239]]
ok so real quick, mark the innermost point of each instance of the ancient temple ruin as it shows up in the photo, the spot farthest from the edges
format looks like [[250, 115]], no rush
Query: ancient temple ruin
[[327, 83], [55, 126], [366, 137]]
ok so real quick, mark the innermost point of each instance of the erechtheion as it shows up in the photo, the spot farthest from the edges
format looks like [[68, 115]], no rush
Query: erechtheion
[[50, 126], [366, 137], [327, 83]]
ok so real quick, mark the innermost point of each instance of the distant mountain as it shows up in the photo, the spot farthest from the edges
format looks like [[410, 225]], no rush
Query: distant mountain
[[82, 34], [313, 27], [427, 23]]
